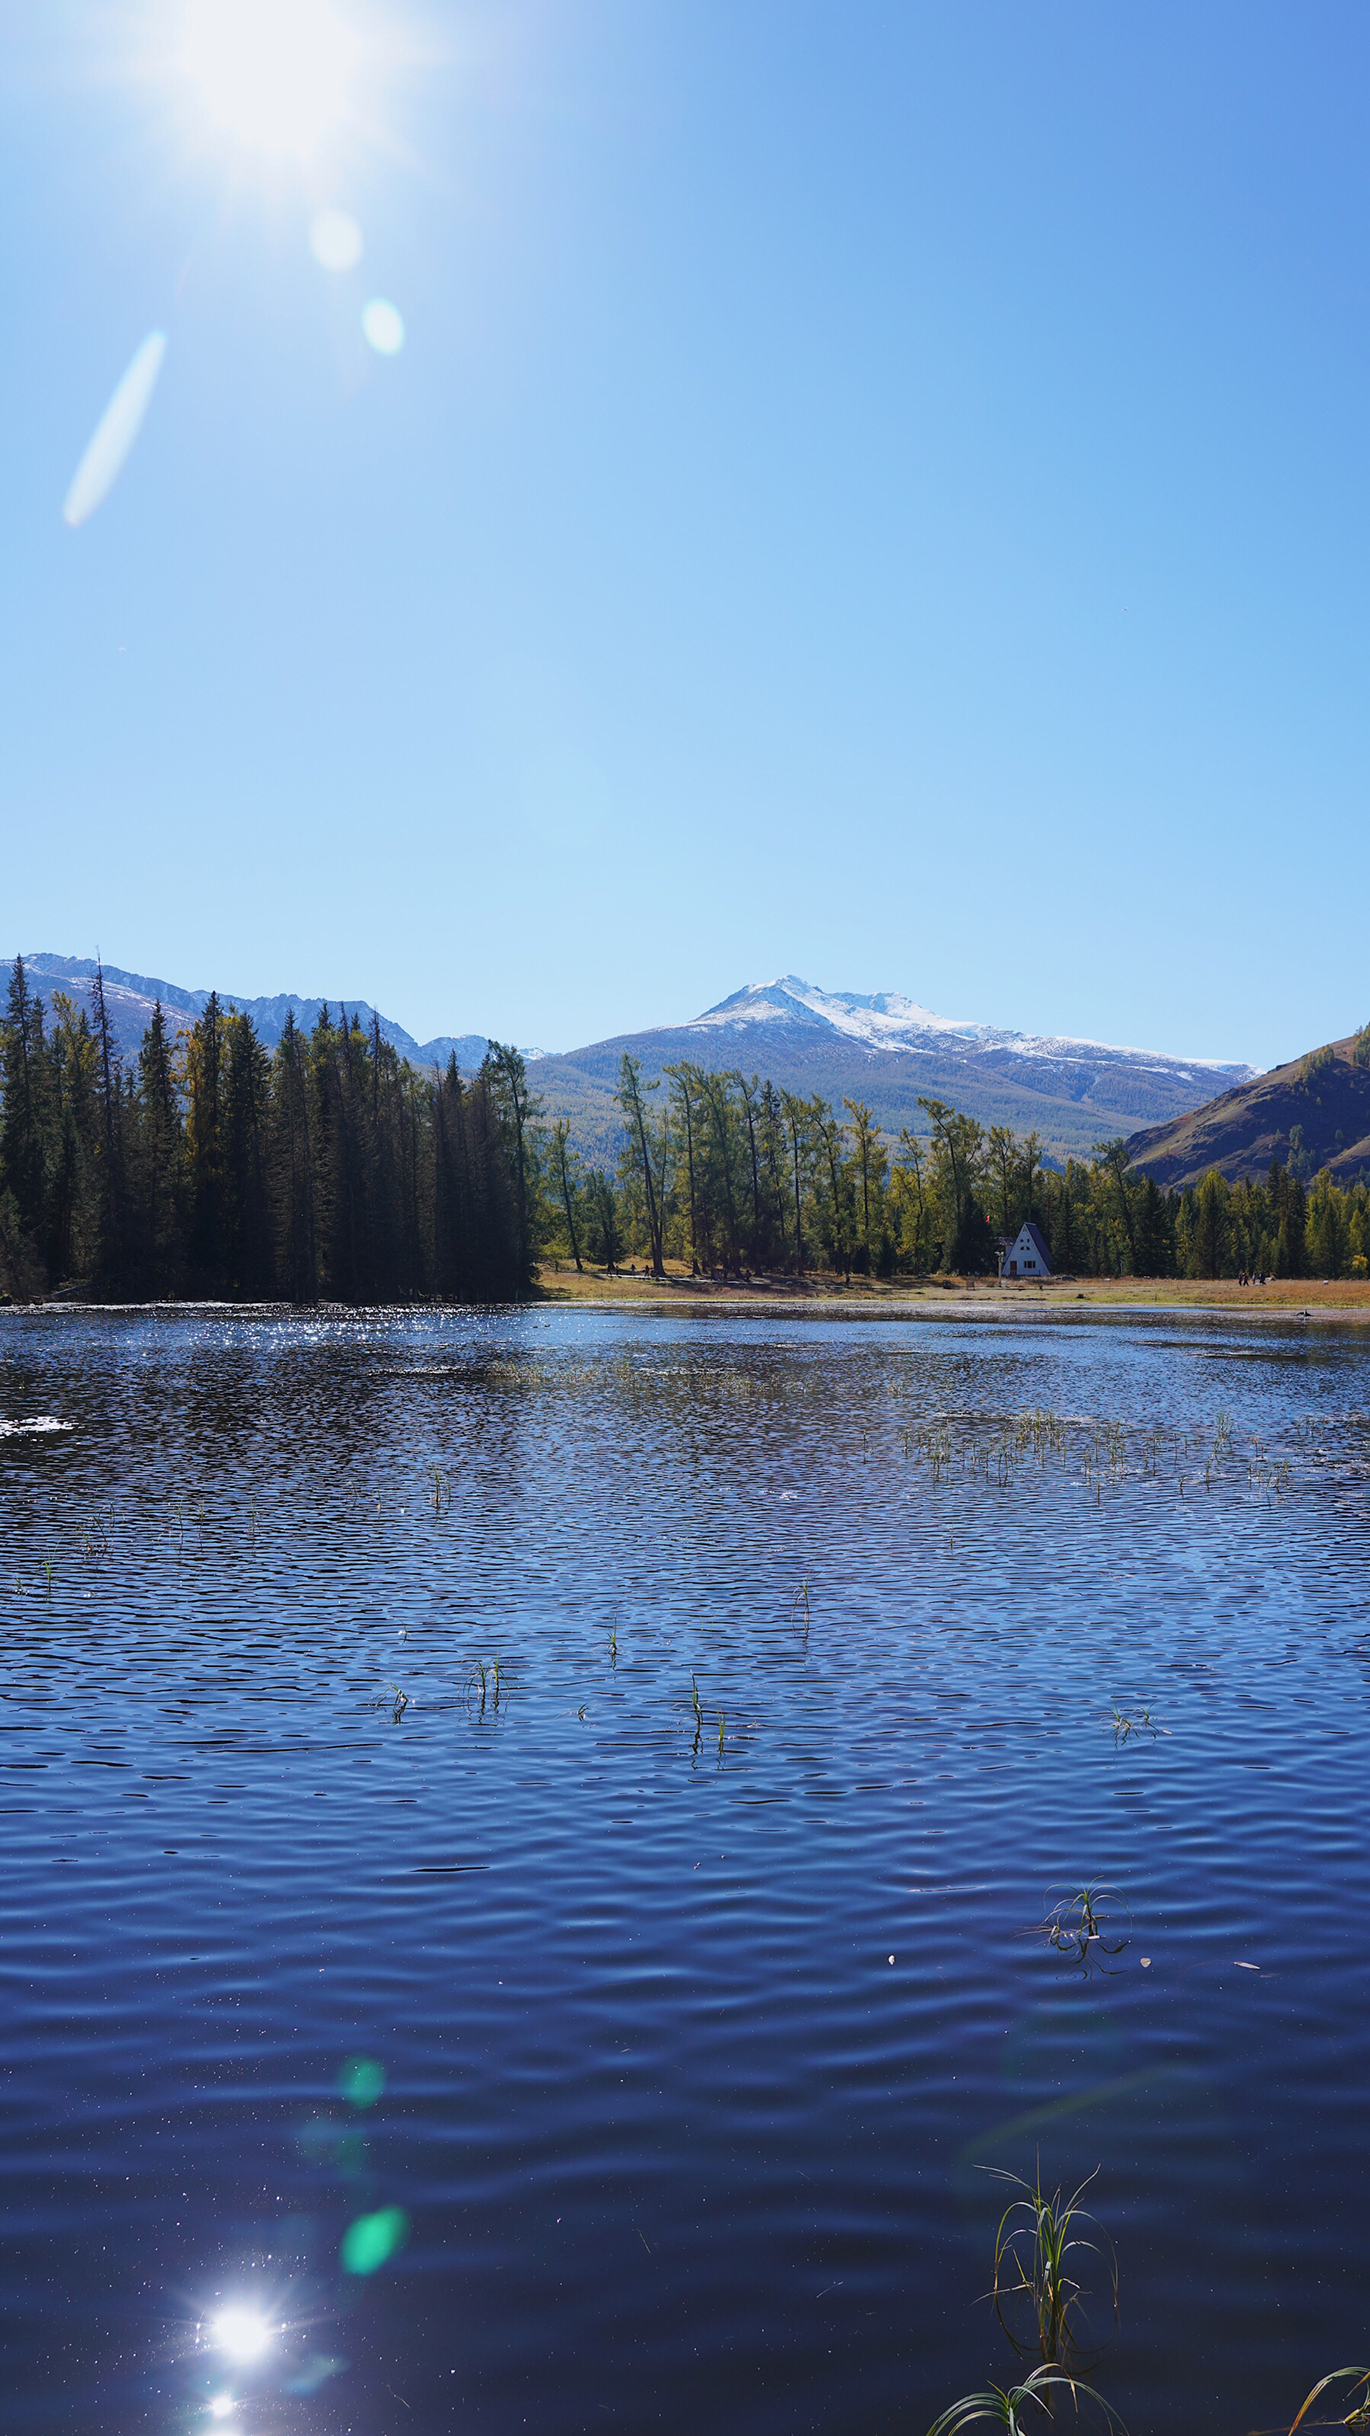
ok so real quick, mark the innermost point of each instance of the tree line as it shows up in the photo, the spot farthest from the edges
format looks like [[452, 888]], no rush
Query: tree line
[[330, 1169], [727, 1175]]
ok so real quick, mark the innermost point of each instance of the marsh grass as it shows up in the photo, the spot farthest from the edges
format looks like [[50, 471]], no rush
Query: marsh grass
[[1127, 1722], [1039, 2237], [1076, 1923], [1359, 2415], [1103, 1454], [1014, 2407]]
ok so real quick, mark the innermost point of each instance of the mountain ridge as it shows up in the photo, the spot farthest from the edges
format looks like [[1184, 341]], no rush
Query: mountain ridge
[[889, 1051], [130, 998], [882, 1047], [1312, 1112]]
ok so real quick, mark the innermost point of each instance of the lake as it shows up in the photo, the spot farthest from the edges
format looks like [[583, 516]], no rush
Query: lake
[[530, 1843]]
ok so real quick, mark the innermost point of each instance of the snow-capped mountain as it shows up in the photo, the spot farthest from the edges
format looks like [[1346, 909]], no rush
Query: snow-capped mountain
[[890, 1052], [889, 1023]]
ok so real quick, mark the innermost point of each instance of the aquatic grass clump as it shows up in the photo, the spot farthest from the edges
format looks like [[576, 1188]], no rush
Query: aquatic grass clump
[[1037, 2239], [1033, 2249], [1126, 1722], [1009, 2406], [1359, 2415], [1076, 1923], [486, 1681]]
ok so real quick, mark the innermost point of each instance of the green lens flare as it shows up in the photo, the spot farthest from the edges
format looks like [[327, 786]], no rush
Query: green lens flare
[[361, 2080], [367, 2244]]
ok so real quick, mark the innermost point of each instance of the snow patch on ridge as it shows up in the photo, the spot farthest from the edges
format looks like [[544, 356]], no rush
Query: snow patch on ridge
[[888, 1022]]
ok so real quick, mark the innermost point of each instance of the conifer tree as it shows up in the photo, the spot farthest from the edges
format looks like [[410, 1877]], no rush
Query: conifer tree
[[23, 1163], [204, 1136], [113, 1244], [630, 1100], [161, 1161], [292, 1170]]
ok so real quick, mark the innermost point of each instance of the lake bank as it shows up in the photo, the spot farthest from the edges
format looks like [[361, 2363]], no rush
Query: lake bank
[[1281, 1298]]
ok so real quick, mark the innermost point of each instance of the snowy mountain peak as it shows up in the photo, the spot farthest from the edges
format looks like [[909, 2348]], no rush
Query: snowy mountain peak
[[888, 1022]]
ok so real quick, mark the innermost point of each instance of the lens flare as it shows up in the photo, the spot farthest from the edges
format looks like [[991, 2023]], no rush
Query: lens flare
[[383, 326], [115, 432], [371, 2240], [335, 241], [242, 2332], [276, 73]]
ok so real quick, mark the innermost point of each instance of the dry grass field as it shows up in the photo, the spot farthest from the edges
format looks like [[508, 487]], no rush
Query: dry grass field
[[1282, 1297]]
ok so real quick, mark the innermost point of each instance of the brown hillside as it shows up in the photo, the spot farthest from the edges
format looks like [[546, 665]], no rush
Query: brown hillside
[[1318, 1107]]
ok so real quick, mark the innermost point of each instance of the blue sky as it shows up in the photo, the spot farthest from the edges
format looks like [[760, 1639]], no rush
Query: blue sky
[[880, 492]]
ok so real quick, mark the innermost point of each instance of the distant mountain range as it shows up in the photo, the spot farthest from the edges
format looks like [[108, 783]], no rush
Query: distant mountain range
[[130, 998], [1313, 1112], [884, 1049], [888, 1051]]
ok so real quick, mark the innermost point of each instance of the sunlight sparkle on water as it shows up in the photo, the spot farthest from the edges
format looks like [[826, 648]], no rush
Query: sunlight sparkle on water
[[243, 2333], [276, 73]]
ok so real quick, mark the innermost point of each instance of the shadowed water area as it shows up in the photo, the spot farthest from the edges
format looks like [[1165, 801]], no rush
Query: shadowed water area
[[615, 2039]]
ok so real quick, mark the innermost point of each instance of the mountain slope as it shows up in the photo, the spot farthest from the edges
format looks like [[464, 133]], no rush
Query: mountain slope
[[130, 997], [1316, 1108], [888, 1051]]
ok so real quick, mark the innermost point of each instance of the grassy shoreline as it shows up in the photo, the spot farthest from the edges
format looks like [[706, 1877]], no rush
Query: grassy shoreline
[[1285, 1297], [560, 1287]]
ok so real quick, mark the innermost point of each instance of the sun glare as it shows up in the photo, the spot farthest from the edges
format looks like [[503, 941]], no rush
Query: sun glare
[[276, 73], [241, 2332]]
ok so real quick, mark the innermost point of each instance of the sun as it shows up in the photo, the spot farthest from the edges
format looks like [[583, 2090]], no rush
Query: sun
[[278, 74]]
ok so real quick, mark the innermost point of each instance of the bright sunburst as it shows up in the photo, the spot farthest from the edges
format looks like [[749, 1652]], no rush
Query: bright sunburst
[[276, 73]]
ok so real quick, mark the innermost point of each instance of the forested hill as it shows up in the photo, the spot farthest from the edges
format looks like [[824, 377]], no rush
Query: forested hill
[[1307, 1115], [332, 1169]]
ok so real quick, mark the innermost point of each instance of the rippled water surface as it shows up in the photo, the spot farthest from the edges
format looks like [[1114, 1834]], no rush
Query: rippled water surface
[[617, 2039]]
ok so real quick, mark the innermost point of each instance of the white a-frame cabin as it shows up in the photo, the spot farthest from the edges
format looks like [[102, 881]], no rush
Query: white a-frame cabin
[[1028, 1256]]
